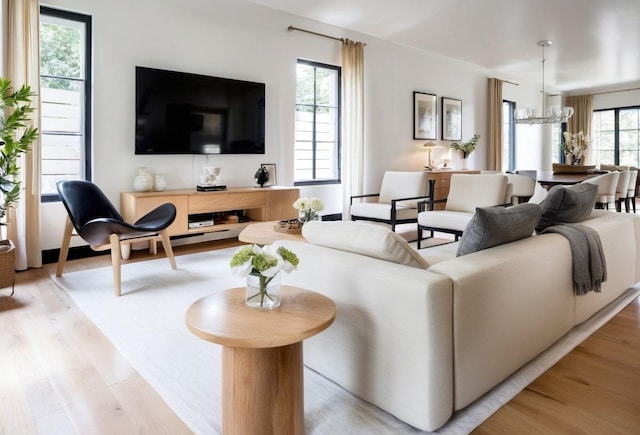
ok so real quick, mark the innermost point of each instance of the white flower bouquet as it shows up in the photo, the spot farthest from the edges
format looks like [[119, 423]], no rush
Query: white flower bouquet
[[308, 208]]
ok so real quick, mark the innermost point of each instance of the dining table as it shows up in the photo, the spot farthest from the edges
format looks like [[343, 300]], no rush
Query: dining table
[[549, 179]]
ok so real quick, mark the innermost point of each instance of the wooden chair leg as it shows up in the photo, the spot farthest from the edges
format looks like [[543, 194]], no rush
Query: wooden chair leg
[[115, 262], [166, 245], [64, 247]]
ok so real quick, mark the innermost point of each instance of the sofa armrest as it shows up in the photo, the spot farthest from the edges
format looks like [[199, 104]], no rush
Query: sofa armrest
[[384, 325]]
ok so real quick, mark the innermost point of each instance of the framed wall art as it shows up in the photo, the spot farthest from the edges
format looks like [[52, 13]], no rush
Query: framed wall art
[[451, 119], [425, 114]]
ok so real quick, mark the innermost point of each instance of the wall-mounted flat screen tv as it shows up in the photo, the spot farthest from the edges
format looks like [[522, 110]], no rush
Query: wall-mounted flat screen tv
[[182, 113]]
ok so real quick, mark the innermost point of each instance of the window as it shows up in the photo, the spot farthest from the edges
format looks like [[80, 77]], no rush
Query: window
[[616, 136], [508, 136], [65, 93], [317, 135], [557, 155]]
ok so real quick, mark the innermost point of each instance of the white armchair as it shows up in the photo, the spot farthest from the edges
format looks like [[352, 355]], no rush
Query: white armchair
[[397, 201], [466, 192]]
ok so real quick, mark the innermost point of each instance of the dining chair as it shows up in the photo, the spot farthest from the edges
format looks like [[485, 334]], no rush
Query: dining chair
[[622, 190], [523, 187], [607, 186], [631, 190], [96, 221]]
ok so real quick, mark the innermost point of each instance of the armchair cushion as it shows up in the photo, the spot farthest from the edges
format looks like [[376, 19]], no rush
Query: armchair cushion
[[373, 240], [383, 211], [492, 226], [567, 204], [469, 191], [403, 184]]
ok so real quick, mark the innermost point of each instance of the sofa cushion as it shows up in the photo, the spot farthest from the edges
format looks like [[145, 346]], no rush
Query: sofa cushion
[[567, 204], [492, 226], [373, 240]]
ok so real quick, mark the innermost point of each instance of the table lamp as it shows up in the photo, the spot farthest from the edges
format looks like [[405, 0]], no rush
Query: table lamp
[[429, 146]]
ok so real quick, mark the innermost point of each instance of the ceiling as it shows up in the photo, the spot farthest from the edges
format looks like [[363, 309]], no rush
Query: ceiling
[[596, 43]]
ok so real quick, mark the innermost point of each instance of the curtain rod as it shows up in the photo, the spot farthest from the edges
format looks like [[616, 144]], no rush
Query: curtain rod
[[612, 92], [291, 28], [506, 81]]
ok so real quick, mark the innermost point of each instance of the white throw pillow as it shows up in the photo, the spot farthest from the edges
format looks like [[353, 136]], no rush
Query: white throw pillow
[[363, 238]]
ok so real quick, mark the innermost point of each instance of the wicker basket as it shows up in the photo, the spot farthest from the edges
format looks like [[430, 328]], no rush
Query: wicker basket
[[7, 263]]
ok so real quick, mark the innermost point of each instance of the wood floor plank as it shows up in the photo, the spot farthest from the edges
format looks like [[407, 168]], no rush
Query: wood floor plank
[[60, 375], [595, 389]]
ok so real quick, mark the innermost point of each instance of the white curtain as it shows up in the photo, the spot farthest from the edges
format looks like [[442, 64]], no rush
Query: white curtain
[[352, 122], [22, 66]]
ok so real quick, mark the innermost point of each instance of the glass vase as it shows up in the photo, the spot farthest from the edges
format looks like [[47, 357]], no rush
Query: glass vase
[[263, 293], [308, 215]]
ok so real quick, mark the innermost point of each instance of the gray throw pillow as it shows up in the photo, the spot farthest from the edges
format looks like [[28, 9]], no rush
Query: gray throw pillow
[[567, 204], [492, 226]]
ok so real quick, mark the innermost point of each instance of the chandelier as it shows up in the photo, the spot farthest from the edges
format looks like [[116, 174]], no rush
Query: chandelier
[[551, 115]]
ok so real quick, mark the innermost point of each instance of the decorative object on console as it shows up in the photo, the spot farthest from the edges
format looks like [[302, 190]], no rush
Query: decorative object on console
[[273, 176], [466, 148], [424, 116], [451, 119], [309, 209], [554, 115], [261, 176], [210, 176], [574, 147], [159, 183], [429, 146], [262, 266], [143, 181]]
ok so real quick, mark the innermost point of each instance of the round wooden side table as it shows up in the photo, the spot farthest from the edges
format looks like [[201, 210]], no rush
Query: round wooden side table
[[262, 371]]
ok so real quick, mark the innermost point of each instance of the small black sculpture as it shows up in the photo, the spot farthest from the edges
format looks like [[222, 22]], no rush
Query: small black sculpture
[[261, 176]]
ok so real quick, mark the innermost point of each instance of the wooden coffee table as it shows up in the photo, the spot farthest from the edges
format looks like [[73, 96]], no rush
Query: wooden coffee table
[[262, 371], [262, 233]]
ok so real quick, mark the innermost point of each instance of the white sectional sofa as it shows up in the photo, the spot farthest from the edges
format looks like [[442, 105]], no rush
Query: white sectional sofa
[[422, 343]]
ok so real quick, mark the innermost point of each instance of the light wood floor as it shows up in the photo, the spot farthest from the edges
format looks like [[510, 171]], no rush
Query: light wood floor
[[60, 375]]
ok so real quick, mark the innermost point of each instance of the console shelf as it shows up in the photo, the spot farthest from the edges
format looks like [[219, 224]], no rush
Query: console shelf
[[250, 203]]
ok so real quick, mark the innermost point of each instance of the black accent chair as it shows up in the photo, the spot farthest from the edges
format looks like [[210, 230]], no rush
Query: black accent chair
[[97, 221]]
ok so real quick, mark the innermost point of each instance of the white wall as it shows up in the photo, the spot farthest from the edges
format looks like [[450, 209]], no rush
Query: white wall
[[234, 39]]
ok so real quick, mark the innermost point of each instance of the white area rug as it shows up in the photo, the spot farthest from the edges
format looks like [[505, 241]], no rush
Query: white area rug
[[147, 325]]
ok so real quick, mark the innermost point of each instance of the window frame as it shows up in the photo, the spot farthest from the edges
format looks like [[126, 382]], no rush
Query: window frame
[[512, 134], [338, 180], [616, 130], [86, 20]]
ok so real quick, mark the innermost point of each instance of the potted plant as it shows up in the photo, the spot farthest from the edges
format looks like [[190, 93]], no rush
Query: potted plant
[[466, 147], [16, 137]]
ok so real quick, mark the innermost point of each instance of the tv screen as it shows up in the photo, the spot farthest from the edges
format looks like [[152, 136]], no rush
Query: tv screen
[[181, 113]]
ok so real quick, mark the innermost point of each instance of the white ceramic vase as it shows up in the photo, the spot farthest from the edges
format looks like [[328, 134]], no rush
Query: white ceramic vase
[[143, 181], [159, 183]]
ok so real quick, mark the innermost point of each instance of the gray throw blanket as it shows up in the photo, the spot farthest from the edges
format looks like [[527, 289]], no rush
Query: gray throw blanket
[[589, 268]]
